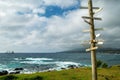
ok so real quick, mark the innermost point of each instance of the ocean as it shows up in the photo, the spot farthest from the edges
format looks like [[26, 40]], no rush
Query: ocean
[[36, 62]]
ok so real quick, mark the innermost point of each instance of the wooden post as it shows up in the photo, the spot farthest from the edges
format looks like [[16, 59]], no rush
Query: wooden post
[[92, 30], [93, 44]]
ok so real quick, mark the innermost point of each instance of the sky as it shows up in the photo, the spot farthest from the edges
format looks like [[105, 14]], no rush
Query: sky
[[54, 25]]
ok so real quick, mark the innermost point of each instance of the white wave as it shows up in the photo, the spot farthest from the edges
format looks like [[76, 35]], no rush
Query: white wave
[[33, 59], [60, 64], [39, 59], [32, 62], [18, 59], [66, 63], [2, 66]]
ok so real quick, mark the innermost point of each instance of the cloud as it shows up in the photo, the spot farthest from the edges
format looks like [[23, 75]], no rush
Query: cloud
[[60, 3], [25, 27]]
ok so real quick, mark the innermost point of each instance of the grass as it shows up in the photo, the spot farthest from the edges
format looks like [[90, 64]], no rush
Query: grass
[[112, 73]]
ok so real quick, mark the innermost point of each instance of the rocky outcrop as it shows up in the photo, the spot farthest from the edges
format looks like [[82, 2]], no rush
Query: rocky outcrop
[[15, 72], [4, 72], [18, 69], [72, 66]]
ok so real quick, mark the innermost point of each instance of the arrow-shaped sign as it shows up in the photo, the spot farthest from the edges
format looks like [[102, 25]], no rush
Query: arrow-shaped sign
[[98, 10], [90, 49], [95, 18], [87, 7], [97, 35]]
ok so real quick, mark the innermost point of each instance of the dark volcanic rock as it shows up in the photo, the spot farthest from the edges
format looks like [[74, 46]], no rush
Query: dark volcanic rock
[[15, 72], [4, 72], [18, 69], [72, 66]]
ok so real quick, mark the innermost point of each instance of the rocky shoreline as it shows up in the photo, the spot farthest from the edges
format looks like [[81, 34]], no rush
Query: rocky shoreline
[[21, 70], [15, 71]]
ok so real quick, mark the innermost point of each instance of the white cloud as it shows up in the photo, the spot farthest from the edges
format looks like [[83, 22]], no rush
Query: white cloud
[[30, 39], [42, 11], [61, 3], [22, 29]]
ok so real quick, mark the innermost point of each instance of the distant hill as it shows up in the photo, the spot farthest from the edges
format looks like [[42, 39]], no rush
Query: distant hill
[[101, 50], [110, 50]]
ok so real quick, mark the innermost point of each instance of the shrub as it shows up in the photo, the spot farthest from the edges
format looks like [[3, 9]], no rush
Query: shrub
[[37, 78], [9, 77], [104, 65], [101, 64], [34, 78]]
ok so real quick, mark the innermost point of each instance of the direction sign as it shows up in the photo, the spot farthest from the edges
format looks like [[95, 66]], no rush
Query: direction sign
[[98, 10], [95, 18], [87, 7], [90, 49]]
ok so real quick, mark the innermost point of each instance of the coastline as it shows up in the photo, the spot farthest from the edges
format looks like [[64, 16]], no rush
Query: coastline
[[111, 73]]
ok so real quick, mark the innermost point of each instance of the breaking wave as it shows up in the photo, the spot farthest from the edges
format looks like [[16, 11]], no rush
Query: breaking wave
[[38, 59], [2, 66], [39, 64]]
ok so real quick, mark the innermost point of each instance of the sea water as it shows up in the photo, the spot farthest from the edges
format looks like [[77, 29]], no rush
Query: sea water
[[35, 62]]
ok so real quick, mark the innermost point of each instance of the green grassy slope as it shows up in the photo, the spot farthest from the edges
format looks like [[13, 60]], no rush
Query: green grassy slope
[[112, 73]]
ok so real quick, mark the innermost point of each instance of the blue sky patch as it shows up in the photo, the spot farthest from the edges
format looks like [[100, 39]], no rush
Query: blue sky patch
[[56, 10], [52, 10]]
